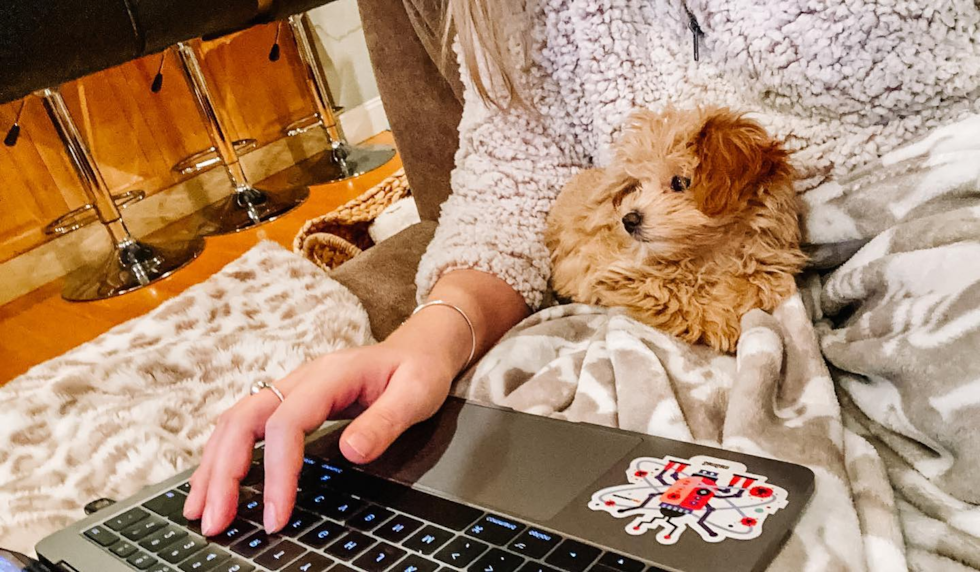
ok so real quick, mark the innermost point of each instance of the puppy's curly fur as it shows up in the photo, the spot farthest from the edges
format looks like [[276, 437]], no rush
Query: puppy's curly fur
[[693, 224]]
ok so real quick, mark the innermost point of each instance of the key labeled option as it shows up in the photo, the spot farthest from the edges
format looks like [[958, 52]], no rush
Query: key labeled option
[[495, 529], [534, 543]]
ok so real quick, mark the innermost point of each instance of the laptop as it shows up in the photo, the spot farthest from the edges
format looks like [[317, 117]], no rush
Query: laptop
[[475, 488]]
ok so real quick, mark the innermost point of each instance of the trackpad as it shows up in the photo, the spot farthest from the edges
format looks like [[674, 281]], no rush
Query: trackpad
[[519, 464]]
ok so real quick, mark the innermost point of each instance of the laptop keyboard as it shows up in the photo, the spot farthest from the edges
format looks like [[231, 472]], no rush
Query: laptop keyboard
[[345, 521]]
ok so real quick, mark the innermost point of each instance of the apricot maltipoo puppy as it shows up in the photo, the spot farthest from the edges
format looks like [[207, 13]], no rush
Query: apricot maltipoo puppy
[[693, 224]]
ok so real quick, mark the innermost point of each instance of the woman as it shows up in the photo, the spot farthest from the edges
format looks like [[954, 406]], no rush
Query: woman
[[549, 85]]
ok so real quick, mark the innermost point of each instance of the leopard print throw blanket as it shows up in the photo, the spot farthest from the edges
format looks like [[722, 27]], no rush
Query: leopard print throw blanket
[[136, 405]]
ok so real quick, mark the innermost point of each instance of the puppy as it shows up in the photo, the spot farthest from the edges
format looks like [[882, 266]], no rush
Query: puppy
[[693, 224]]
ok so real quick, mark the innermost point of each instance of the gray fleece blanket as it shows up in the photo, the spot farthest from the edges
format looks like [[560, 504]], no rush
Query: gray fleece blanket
[[870, 375]]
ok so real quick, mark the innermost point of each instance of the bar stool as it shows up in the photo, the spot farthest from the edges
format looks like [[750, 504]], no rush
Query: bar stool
[[342, 160], [133, 263], [247, 206]]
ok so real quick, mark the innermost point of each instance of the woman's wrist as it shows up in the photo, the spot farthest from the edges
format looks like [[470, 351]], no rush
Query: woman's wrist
[[437, 334]]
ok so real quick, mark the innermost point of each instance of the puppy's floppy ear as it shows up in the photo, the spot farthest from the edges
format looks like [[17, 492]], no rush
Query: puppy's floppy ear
[[736, 160]]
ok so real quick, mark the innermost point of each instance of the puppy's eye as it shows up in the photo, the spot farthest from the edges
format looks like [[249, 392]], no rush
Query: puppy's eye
[[679, 184]]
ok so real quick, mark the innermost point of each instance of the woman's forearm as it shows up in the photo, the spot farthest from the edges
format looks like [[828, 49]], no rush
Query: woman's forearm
[[441, 333]]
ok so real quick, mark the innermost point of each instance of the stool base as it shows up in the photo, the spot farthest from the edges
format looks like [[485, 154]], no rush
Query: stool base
[[245, 209], [132, 264]]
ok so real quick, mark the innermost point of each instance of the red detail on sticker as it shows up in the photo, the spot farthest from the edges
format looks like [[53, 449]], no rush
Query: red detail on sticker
[[637, 527], [749, 521], [761, 492], [667, 537], [641, 474], [610, 503]]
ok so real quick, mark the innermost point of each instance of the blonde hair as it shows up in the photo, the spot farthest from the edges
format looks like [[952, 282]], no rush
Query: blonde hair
[[493, 40]]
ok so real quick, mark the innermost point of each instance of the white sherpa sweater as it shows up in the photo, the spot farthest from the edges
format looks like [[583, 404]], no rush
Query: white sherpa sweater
[[841, 81]]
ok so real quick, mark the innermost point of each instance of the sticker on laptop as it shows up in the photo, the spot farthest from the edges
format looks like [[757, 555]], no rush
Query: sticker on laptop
[[718, 499]]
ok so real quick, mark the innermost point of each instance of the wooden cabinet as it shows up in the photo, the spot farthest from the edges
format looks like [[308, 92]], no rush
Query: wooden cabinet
[[136, 136]]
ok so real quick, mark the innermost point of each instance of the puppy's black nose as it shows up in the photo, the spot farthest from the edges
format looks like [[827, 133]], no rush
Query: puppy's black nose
[[631, 221]]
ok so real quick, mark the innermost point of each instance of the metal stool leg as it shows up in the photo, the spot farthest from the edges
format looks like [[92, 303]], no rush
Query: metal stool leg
[[342, 160], [247, 206], [132, 263]]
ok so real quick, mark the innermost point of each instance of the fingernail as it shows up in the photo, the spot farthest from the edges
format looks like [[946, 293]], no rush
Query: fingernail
[[270, 518], [360, 444], [207, 522]]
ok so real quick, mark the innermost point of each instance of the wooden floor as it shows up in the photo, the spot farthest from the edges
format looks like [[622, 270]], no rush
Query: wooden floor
[[40, 325]]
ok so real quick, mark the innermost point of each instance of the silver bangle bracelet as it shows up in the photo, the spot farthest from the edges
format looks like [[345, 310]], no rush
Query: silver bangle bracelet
[[460, 311]]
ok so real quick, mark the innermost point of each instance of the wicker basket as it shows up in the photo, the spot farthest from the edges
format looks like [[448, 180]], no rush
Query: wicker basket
[[334, 238]]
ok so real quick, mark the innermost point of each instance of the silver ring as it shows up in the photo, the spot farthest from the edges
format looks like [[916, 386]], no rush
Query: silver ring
[[260, 385]]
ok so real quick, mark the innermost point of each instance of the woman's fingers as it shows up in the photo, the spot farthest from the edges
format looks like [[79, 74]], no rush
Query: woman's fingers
[[405, 401], [230, 466], [194, 505], [306, 407]]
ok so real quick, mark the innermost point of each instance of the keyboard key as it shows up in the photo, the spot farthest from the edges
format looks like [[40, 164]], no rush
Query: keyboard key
[[236, 530], [536, 567], [127, 518], [497, 561], [169, 503], [415, 563], [325, 533], [337, 506], [205, 560], [182, 549], [250, 506], [144, 528], [573, 556], [341, 568], [160, 568], [428, 539], [534, 543], [233, 565], [370, 518], [352, 544], [255, 544], [123, 549], [461, 551], [299, 522], [101, 536], [162, 538], [379, 557], [495, 529], [141, 561], [398, 528], [620, 562], [185, 488], [280, 555], [309, 562]]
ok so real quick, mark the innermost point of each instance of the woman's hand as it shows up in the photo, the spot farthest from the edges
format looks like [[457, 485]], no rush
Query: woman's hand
[[398, 385], [400, 382]]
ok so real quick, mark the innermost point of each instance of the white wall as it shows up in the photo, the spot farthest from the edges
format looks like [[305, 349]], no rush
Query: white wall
[[344, 54]]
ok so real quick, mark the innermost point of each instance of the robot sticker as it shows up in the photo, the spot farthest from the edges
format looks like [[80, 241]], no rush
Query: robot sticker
[[716, 498]]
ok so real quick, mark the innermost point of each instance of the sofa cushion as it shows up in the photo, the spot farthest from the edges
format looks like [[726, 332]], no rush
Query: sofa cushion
[[383, 277]]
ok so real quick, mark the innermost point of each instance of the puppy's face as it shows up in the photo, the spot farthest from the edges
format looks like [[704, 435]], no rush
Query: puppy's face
[[681, 180]]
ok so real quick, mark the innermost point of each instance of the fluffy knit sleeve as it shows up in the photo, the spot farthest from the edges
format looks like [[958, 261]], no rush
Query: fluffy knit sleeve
[[510, 166]]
